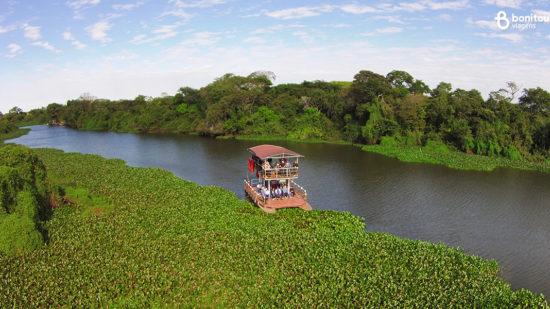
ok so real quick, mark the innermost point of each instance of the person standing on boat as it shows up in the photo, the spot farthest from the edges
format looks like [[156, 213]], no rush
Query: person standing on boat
[[285, 190], [265, 192]]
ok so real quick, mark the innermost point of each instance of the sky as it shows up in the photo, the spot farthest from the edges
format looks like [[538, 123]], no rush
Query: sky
[[53, 51]]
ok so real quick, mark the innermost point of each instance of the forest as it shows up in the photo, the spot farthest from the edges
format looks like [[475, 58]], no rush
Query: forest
[[397, 108]]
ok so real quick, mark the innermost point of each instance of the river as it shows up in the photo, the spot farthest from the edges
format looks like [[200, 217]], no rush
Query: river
[[502, 215]]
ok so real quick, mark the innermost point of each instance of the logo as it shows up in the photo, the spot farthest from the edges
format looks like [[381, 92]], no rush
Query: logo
[[520, 22], [502, 20]]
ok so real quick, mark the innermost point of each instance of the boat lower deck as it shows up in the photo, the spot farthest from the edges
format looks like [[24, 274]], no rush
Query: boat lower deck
[[289, 202], [271, 205]]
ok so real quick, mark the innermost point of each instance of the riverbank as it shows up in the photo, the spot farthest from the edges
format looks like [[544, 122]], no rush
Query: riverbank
[[13, 134], [143, 237], [427, 155], [267, 138], [454, 159]]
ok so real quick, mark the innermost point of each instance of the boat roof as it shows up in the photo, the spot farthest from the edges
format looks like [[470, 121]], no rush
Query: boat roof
[[271, 151]]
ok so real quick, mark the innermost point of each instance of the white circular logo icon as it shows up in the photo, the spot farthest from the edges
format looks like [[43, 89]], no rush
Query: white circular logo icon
[[502, 20]]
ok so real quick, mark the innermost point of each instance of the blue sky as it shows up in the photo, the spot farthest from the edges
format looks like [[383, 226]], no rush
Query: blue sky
[[52, 51]]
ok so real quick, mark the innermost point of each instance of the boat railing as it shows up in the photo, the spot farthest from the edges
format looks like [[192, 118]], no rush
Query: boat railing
[[299, 189], [280, 172], [255, 195]]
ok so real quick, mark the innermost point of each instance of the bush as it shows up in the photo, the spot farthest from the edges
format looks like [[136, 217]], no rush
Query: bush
[[436, 146], [23, 197], [389, 141], [10, 185], [511, 152], [18, 230]]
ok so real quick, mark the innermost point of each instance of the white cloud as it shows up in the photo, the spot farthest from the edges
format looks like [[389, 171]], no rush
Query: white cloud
[[277, 28], [127, 6], [46, 46], [203, 38], [255, 40], [304, 36], [124, 55], [512, 37], [300, 12], [197, 3], [387, 30], [13, 50], [68, 36], [389, 18], [6, 29], [464, 66], [429, 5], [449, 5], [161, 33], [445, 17], [338, 26], [357, 9], [486, 24], [177, 13], [79, 4], [411, 6], [505, 3], [32, 32], [310, 11], [98, 31]]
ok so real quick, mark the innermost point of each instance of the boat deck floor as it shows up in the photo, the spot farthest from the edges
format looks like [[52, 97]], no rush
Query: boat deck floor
[[291, 202], [271, 205]]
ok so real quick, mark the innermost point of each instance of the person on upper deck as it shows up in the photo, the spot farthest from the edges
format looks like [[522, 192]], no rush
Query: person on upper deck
[[266, 165]]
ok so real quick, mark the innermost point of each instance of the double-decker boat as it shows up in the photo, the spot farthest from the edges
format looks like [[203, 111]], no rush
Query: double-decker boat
[[271, 179]]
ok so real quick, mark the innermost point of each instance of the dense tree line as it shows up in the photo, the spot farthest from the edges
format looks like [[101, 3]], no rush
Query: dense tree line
[[371, 107]]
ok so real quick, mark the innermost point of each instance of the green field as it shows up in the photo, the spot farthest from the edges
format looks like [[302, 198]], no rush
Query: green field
[[135, 237]]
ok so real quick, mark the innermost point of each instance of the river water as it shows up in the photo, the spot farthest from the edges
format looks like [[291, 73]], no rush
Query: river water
[[502, 215]]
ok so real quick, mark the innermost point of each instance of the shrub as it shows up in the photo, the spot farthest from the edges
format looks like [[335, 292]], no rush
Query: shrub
[[512, 152], [18, 230], [23, 197], [10, 185], [389, 141], [436, 146]]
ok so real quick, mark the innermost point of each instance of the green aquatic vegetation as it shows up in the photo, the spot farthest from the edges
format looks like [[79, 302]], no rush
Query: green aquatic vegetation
[[170, 242], [88, 203], [440, 154]]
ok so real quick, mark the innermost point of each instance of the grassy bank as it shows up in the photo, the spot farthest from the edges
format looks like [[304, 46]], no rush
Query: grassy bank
[[430, 155], [454, 159], [139, 237], [267, 138], [13, 134]]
